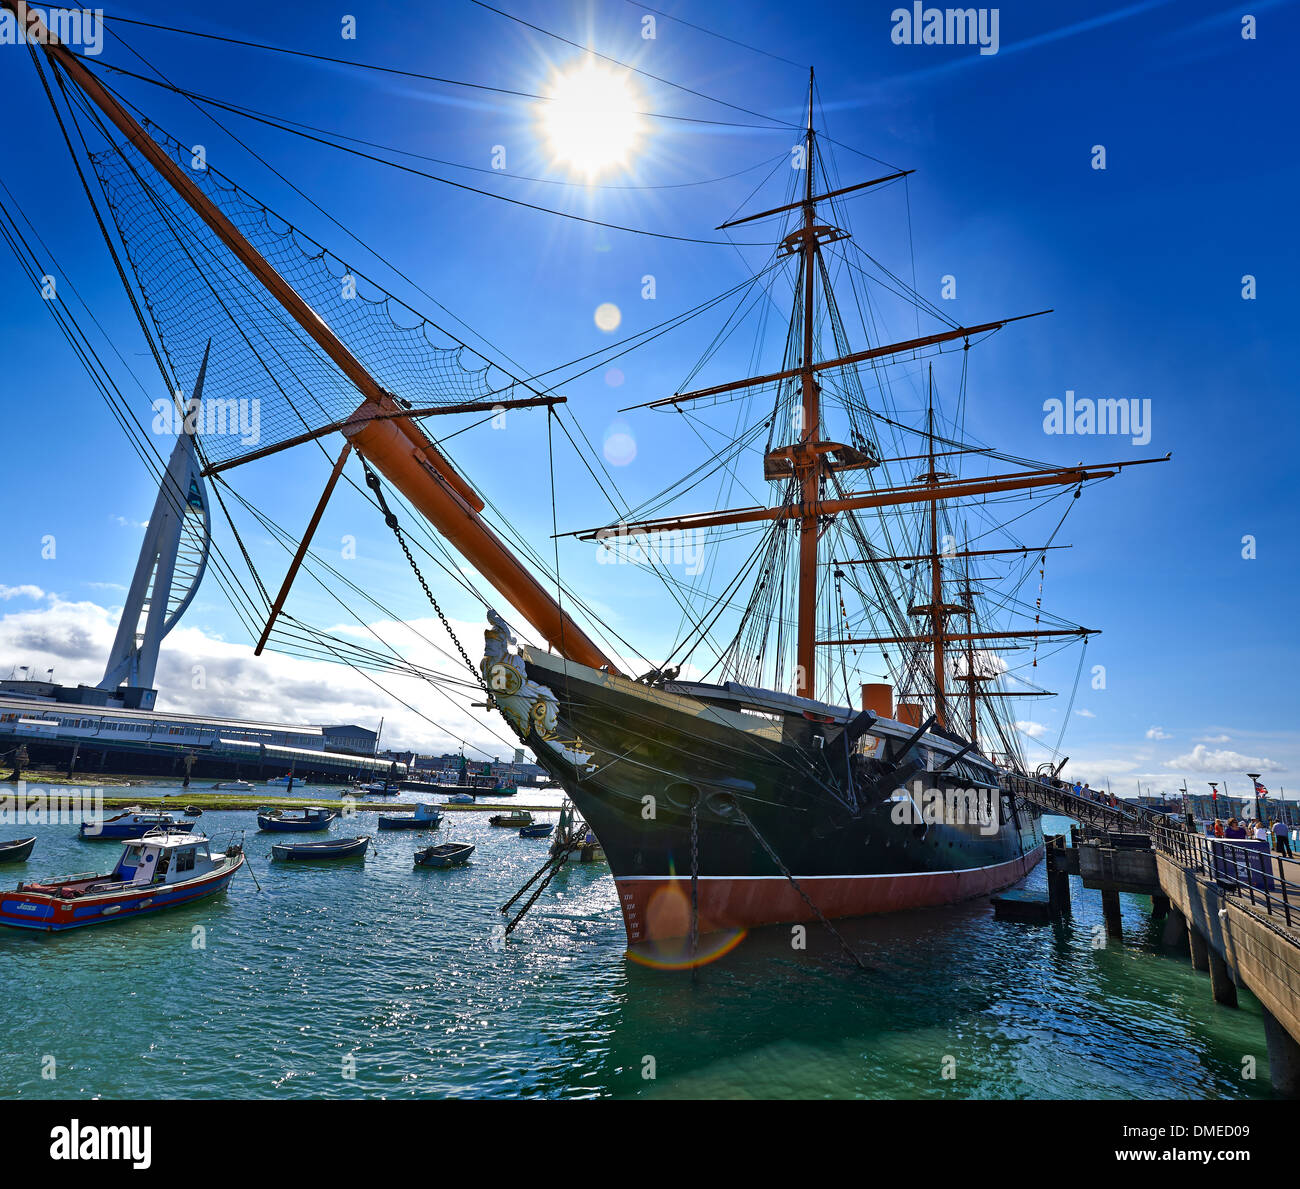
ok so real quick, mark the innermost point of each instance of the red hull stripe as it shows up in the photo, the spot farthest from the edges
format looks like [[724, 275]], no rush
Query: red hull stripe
[[658, 907]]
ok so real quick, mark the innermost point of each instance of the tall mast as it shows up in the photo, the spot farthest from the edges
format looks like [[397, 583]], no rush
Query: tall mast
[[936, 572], [810, 463], [396, 446]]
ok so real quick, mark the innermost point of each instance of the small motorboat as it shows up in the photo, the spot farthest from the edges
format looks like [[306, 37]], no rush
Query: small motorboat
[[131, 823], [164, 869], [537, 830], [382, 788], [291, 821], [233, 786], [461, 799], [17, 851], [515, 818], [289, 781], [326, 848], [193, 811], [445, 854], [425, 817]]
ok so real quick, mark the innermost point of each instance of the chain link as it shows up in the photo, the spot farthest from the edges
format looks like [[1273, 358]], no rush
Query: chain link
[[372, 481]]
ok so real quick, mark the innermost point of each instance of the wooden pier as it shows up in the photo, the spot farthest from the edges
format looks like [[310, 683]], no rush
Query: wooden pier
[[1235, 907]]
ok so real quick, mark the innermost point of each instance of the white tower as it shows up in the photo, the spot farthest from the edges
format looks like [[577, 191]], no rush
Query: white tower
[[167, 574]]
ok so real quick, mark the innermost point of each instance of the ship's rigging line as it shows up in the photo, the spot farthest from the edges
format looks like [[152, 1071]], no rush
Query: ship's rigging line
[[433, 177], [285, 124], [774, 124]]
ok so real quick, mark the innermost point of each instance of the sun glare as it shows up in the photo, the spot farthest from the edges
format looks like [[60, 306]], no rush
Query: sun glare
[[590, 120]]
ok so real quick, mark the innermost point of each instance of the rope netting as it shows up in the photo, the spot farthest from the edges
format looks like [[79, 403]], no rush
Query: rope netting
[[268, 381]]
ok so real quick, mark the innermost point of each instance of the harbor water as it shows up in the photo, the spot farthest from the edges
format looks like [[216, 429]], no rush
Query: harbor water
[[382, 979]]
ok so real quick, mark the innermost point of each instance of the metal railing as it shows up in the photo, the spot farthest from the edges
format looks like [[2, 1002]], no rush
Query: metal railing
[[1056, 797], [1237, 867]]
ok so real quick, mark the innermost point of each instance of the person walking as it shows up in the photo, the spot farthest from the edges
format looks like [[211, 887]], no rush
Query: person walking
[[1282, 838]]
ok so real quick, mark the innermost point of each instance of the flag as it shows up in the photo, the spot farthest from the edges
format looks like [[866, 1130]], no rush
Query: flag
[[1260, 790]]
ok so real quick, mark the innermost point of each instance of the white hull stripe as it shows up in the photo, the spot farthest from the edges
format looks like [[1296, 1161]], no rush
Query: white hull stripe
[[884, 875]]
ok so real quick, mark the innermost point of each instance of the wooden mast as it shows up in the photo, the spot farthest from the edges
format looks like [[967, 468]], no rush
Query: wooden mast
[[397, 446], [810, 462], [936, 574]]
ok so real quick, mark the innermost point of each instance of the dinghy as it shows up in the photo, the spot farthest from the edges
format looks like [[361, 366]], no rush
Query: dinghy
[[326, 848], [425, 817], [515, 818], [17, 850], [445, 854], [539, 830], [281, 821]]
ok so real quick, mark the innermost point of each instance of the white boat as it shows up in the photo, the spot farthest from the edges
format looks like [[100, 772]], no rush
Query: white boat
[[233, 786]]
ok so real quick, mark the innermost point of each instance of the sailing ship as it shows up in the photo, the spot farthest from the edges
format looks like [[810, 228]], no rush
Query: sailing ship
[[776, 793]]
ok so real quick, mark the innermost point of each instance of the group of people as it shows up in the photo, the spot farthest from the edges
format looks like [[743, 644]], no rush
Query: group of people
[[1082, 790], [1280, 833]]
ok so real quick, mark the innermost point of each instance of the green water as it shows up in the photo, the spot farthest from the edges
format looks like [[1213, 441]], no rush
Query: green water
[[349, 980]]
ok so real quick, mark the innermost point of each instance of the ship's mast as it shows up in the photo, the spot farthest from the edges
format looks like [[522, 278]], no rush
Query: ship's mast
[[809, 459], [936, 573]]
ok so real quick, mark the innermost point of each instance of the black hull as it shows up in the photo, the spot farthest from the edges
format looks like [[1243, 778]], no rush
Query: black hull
[[634, 760]]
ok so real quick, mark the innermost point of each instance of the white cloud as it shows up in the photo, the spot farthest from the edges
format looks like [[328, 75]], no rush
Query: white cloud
[[26, 591], [75, 637], [1085, 714], [1217, 739], [1157, 733], [1202, 759], [1035, 730], [125, 523]]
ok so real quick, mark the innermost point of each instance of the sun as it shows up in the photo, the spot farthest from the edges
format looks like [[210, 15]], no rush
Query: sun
[[590, 119]]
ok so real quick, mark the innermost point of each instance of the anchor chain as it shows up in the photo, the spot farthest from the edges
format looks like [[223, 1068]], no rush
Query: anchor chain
[[372, 481], [776, 859], [695, 879]]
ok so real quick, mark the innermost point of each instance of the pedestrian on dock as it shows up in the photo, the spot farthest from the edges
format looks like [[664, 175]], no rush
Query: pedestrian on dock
[[1282, 838], [1261, 831], [1234, 829], [1218, 828]]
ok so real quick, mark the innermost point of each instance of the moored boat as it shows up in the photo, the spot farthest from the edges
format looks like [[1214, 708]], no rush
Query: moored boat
[[326, 848], [461, 799], [18, 850], [515, 818], [290, 821], [233, 786], [131, 823], [445, 854], [425, 817], [164, 869], [537, 830]]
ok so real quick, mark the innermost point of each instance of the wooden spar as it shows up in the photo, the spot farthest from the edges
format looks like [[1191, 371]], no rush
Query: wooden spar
[[1025, 635], [937, 617], [789, 206], [822, 365], [875, 561], [426, 477], [476, 406], [811, 463], [953, 489], [303, 546], [384, 445]]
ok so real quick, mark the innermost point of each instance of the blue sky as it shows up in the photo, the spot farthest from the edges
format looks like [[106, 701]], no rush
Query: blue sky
[[1142, 262]]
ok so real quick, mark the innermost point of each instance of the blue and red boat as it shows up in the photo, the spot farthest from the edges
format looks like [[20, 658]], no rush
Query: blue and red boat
[[164, 869], [132, 823]]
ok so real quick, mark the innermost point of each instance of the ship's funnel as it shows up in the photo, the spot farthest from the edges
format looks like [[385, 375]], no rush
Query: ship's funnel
[[909, 713], [878, 697]]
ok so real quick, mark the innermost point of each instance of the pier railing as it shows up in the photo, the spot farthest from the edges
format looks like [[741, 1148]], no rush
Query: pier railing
[[1237, 866]]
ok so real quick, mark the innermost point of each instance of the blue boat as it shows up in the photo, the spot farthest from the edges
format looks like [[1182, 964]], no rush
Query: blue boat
[[445, 854], [131, 824], [326, 848], [539, 830], [425, 817], [300, 821]]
